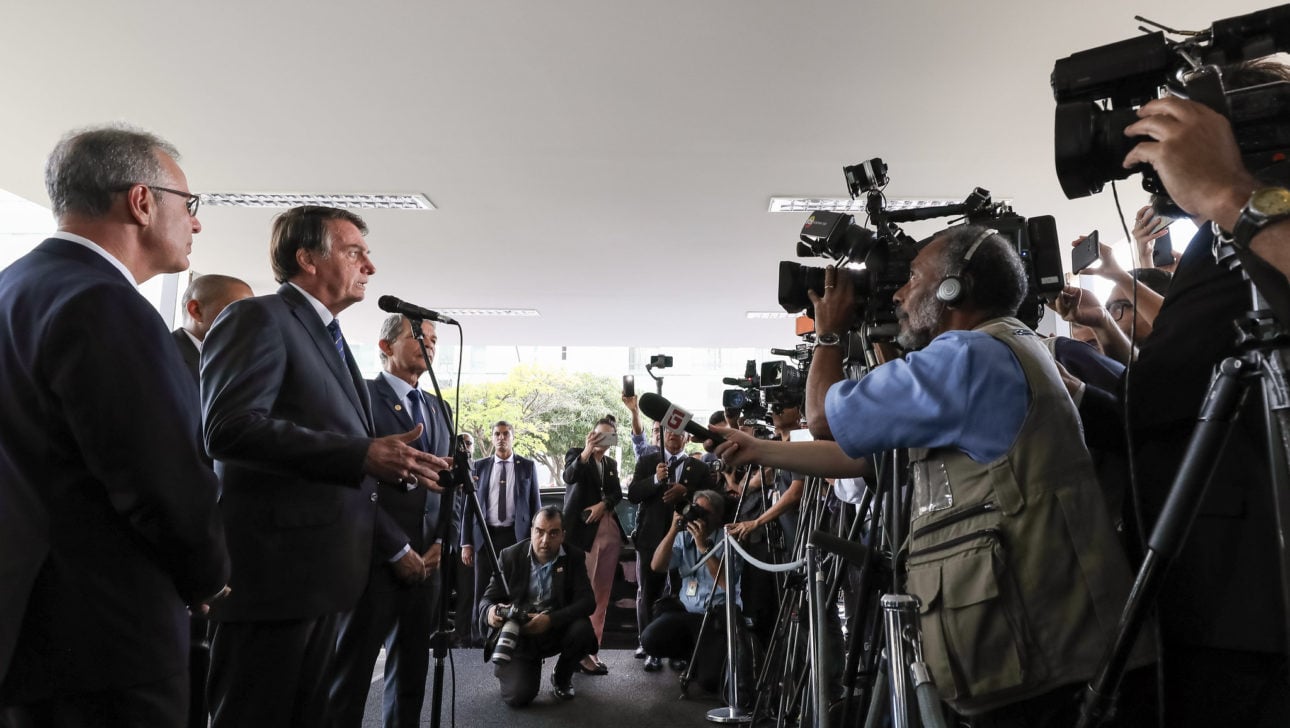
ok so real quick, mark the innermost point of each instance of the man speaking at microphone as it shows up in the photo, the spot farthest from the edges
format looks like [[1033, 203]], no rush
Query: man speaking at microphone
[[289, 423]]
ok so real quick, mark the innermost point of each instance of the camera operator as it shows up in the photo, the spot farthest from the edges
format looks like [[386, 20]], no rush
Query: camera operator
[[550, 596], [1006, 507], [1221, 609], [674, 632], [662, 483]]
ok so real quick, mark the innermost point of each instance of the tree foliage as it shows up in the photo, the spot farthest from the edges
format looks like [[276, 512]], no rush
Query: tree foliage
[[550, 411]]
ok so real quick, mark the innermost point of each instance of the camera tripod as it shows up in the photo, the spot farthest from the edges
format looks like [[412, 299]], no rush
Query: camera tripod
[[1264, 346]]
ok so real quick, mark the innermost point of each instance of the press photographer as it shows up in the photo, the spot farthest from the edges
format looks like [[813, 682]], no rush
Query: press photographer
[[540, 610], [1000, 472]]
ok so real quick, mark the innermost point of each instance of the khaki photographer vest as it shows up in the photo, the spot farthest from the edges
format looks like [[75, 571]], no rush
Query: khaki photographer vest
[[1016, 563]]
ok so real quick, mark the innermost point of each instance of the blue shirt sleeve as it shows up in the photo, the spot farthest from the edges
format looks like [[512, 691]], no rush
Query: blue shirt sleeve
[[966, 390]]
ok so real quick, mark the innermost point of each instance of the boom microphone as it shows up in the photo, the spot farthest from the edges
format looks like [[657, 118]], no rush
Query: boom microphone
[[674, 418], [390, 304]]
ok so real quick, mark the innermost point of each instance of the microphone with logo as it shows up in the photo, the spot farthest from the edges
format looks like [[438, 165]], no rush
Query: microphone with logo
[[672, 417], [390, 304]]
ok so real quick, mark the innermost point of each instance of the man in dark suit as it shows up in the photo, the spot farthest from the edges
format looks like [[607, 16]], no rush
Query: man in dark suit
[[288, 421], [203, 300], [662, 481], [546, 580], [108, 525], [399, 607], [508, 494]]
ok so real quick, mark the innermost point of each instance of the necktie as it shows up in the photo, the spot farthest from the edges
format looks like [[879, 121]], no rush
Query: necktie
[[503, 502], [418, 418], [333, 328]]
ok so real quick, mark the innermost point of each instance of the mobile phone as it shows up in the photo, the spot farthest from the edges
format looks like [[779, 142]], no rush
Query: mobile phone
[[586, 514], [1163, 253], [1084, 254], [608, 439], [629, 385]]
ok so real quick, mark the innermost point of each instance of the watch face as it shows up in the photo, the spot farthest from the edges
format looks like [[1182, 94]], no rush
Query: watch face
[[1271, 201]]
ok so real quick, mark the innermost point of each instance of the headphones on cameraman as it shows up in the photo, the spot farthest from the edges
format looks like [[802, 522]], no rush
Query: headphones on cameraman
[[953, 287]]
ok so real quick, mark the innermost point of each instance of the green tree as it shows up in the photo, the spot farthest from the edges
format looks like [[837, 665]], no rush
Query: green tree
[[550, 410]]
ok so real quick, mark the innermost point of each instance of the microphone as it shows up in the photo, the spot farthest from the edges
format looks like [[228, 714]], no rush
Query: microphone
[[672, 417], [390, 304]]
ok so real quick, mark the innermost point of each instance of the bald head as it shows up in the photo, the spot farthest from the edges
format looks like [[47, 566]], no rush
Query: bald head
[[206, 297]]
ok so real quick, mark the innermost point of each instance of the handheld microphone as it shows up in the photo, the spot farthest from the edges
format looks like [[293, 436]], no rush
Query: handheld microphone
[[390, 304], [674, 418]]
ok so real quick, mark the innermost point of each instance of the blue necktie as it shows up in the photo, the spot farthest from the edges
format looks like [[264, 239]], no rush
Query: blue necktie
[[414, 406], [503, 500], [333, 328]]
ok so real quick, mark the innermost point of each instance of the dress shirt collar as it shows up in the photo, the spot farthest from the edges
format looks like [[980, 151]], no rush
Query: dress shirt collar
[[510, 459], [400, 387], [86, 242], [533, 557], [669, 455], [323, 313], [196, 341]]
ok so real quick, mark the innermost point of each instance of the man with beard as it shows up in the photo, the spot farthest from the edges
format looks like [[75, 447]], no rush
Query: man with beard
[[1011, 550]]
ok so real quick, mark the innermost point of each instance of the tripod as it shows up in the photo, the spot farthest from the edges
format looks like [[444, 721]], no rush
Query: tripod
[[1261, 364]]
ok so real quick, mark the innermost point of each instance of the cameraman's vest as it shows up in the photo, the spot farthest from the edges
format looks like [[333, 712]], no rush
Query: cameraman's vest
[[1015, 561]]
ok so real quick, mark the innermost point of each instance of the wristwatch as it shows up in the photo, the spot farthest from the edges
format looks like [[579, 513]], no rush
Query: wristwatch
[[1266, 206], [828, 339]]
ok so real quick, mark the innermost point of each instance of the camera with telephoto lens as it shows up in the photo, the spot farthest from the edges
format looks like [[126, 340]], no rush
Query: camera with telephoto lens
[[1098, 92], [513, 620], [885, 253]]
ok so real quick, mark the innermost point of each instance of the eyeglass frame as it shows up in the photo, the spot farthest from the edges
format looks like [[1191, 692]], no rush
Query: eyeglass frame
[[1123, 304], [192, 202]]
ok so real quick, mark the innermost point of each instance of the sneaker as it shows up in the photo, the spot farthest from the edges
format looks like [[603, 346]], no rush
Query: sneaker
[[640, 653], [562, 691], [678, 663], [653, 664]]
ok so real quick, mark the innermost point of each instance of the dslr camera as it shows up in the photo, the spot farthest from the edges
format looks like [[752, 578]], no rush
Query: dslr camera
[[513, 619]]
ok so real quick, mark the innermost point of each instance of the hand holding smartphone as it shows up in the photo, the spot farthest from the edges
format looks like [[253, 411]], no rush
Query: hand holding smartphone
[[1085, 253]]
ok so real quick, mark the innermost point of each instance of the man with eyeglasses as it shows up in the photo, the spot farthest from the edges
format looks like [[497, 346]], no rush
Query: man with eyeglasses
[[109, 532]]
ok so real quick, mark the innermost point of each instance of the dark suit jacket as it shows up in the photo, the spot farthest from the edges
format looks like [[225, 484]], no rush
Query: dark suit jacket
[[527, 501], [189, 353], [654, 516], [108, 522], [414, 513], [584, 489], [289, 424], [570, 588]]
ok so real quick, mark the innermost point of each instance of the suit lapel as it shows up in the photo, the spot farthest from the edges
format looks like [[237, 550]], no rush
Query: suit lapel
[[346, 373], [390, 402]]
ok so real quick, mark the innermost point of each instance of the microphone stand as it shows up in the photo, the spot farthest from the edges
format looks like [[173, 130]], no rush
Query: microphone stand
[[457, 477]]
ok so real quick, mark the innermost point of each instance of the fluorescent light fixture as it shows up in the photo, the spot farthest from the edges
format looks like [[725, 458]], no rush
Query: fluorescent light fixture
[[772, 315], [400, 201], [522, 312], [848, 205]]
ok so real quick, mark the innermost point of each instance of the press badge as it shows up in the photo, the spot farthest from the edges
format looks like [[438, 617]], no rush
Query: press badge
[[931, 488], [691, 587]]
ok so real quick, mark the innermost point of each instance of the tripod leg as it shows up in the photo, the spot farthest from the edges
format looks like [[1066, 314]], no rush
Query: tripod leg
[[1276, 408]]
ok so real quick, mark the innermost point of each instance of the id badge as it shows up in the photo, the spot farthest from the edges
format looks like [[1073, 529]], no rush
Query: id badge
[[691, 587]]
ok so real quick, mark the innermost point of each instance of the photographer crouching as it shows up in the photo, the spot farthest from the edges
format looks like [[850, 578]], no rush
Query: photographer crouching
[[674, 631], [542, 609], [1011, 550]]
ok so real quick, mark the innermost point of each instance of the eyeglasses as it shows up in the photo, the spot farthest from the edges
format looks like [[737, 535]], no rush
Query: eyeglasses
[[191, 201], [1117, 308]]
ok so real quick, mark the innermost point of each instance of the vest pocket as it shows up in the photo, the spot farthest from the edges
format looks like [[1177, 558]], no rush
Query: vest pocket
[[971, 627]]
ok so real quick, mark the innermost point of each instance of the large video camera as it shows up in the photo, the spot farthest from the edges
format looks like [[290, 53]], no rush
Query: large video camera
[[886, 252], [1098, 91]]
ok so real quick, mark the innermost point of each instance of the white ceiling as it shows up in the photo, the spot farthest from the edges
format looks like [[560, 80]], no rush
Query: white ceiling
[[607, 163]]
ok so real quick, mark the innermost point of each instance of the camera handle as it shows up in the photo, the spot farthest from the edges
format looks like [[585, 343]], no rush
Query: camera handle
[[457, 478]]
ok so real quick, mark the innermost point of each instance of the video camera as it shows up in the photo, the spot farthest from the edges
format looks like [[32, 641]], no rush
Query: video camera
[[747, 400], [886, 252], [1099, 90]]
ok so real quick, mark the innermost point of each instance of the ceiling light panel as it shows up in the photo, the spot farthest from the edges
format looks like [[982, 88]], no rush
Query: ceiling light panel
[[400, 201], [522, 312]]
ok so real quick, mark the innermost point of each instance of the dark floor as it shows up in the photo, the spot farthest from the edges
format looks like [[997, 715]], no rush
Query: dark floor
[[627, 697]]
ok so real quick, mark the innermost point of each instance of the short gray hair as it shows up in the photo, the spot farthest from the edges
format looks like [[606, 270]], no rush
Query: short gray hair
[[89, 166], [998, 276], [391, 327], [717, 501]]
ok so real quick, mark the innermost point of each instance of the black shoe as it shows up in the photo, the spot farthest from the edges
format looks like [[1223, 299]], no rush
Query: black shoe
[[678, 664], [653, 664], [640, 653], [600, 668], [563, 691]]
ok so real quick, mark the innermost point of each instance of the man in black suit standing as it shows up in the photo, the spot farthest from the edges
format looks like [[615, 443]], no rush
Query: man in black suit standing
[[399, 607], [662, 482], [109, 531], [289, 423], [203, 300], [508, 493], [546, 581]]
